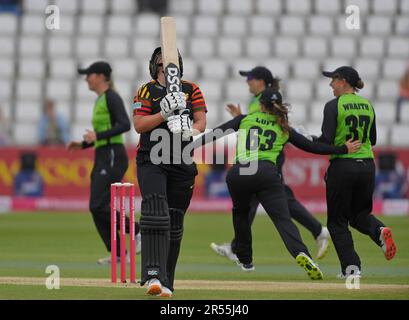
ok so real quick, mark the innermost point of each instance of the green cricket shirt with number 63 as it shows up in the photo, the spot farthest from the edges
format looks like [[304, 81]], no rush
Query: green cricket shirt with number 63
[[355, 119], [260, 138]]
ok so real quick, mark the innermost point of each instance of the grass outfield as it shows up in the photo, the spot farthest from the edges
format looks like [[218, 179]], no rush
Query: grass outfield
[[30, 242]]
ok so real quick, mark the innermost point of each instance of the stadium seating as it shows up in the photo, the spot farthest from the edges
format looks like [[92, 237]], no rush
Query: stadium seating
[[296, 39]]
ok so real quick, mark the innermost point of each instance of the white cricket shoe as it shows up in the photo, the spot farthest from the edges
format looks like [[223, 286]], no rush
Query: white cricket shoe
[[154, 287], [323, 242], [165, 293], [224, 250], [138, 242], [106, 260]]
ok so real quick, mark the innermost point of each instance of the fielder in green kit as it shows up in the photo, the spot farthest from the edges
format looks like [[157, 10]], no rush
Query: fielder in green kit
[[350, 178], [262, 136]]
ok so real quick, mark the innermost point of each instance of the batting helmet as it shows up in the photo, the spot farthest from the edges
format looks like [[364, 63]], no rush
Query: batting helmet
[[153, 63]]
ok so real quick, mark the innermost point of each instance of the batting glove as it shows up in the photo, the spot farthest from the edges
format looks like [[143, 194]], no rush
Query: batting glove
[[171, 102], [187, 127], [175, 124]]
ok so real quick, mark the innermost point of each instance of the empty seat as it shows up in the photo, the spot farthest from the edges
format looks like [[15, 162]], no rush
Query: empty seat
[[343, 47], [143, 47], [59, 46], [239, 64], [298, 7], [363, 5], [393, 68], [398, 47], [278, 67], [79, 128], [298, 113], [25, 133], [317, 112], [382, 135], [116, 47], [269, 7], [28, 110], [234, 26], [31, 46], [236, 90], [258, 47], [183, 27], [385, 112], [5, 110], [37, 6], [403, 6], [400, 135], [6, 89], [211, 89], [33, 24], [315, 47], [63, 108], [298, 90], [91, 25], [190, 69], [331, 64], [125, 90], [123, 6], [385, 7], [62, 68], [291, 26], [321, 25], [186, 7], [228, 47], [372, 47], [213, 116], [31, 68], [7, 68], [213, 7], [65, 6], [8, 23], [202, 47], [402, 25], [286, 47], [28, 89], [404, 114], [147, 24], [87, 47], [368, 92], [323, 89], [125, 68], [262, 25], [68, 25], [345, 29], [314, 128], [323, 7], [243, 7], [94, 6], [57, 89], [8, 46], [379, 25], [214, 69], [83, 110], [119, 25], [368, 68], [205, 26], [388, 90], [306, 69]]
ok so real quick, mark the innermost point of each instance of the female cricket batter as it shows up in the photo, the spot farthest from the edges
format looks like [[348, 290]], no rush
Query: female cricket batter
[[262, 136], [166, 179], [109, 121], [350, 178]]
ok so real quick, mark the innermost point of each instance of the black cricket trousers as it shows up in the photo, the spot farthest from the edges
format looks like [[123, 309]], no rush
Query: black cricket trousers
[[110, 165], [266, 185], [297, 212], [349, 189]]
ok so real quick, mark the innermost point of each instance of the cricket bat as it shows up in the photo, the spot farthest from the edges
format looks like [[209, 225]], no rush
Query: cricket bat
[[170, 55]]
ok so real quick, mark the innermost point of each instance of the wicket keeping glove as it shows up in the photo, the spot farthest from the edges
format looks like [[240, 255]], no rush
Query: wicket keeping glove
[[171, 102]]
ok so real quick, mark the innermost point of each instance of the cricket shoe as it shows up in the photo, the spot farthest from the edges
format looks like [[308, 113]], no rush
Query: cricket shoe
[[224, 250], [165, 293], [154, 287], [312, 269], [343, 276], [388, 245], [107, 260], [323, 242], [247, 267]]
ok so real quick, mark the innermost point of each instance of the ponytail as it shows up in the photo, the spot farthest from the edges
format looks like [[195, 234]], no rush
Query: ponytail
[[281, 112]]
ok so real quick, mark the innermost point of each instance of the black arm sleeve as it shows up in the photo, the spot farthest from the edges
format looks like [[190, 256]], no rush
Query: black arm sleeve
[[219, 132], [119, 118], [372, 134], [303, 143], [86, 145], [329, 123]]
